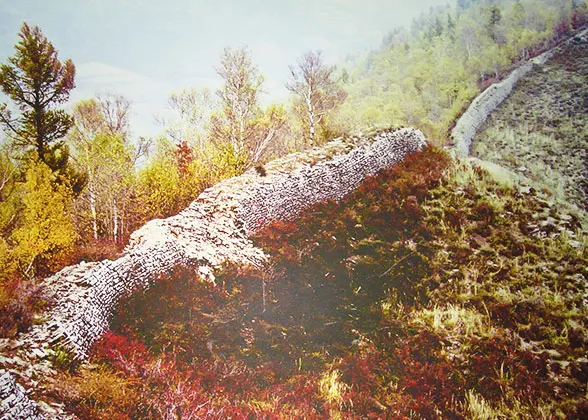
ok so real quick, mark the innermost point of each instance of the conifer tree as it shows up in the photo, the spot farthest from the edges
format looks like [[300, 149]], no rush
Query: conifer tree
[[37, 82]]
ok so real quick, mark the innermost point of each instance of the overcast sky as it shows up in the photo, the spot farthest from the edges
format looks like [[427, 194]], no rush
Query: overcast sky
[[146, 49]]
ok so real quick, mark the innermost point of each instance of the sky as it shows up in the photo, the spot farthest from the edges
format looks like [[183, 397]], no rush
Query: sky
[[147, 49]]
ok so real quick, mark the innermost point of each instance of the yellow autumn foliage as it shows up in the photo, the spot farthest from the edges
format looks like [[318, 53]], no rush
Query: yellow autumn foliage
[[44, 230]]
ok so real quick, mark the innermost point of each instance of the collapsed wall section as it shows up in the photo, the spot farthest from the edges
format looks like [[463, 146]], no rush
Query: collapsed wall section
[[212, 230]]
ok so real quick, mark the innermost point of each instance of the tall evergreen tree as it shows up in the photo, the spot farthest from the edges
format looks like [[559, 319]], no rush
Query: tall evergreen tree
[[37, 82]]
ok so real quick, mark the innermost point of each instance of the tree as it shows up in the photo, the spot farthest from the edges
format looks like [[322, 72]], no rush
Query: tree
[[101, 147], [239, 99], [243, 132], [267, 126], [313, 82], [493, 19], [36, 81], [7, 172], [159, 181], [194, 107], [44, 229], [115, 111]]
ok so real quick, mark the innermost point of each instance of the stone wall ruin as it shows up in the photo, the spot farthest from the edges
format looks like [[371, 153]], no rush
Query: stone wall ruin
[[477, 113], [214, 229]]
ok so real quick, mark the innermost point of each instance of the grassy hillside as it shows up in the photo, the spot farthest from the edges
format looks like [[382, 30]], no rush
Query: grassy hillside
[[427, 293], [540, 132]]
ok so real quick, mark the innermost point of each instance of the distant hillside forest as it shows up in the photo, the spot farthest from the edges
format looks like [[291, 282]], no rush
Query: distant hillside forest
[[74, 185], [424, 76]]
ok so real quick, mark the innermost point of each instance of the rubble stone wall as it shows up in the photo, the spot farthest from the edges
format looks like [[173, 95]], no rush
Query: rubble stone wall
[[212, 230], [477, 113], [285, 196]]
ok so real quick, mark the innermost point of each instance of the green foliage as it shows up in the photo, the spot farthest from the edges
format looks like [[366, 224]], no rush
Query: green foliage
[[37, 81], [175, 176], [239, 100], [159, 182], [426, 77], [63, 360], [102, 149]]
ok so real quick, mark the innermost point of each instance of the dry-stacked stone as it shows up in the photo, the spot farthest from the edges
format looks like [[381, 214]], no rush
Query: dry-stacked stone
[[477, 113], [14, 402], [214, 229]]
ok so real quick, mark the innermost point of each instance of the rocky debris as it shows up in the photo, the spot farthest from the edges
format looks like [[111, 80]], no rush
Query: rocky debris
[[15, 404], [214, 229], [470, 122]]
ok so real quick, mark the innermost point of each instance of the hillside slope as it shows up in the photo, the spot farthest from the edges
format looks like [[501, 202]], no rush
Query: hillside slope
[[439, 289], [540, 132], [433, 291]]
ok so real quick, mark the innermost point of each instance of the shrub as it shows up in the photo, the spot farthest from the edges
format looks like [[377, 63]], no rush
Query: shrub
[[20, 300]]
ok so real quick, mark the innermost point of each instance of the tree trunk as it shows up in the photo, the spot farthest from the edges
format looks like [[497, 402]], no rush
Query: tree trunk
[[312, 129], [311, 118], [93, 212], [92, 190], [114, 221]]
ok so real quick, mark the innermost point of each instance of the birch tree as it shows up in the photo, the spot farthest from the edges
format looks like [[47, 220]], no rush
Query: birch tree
[[100, 140], [242, 129], [194, 108], [312, 81], [239, 98]]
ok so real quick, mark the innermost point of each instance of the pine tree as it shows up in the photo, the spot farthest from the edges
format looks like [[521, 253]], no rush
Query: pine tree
[[36, 81]]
